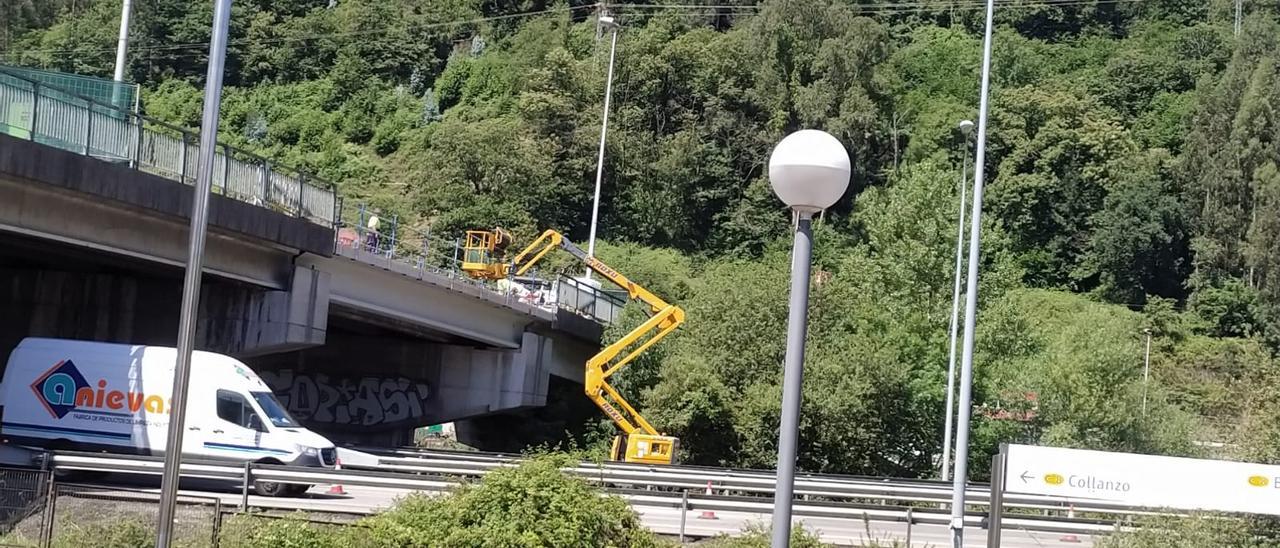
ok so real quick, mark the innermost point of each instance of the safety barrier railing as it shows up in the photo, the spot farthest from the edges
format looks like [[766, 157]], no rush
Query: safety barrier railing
[[37, 112], [640, 492], [739, 481]]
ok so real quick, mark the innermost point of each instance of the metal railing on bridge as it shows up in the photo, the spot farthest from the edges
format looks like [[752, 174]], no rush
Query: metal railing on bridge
[[399, 242], [50, 116]]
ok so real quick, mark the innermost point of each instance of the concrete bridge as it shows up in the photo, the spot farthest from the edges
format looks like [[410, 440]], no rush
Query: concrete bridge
[[361, 344]]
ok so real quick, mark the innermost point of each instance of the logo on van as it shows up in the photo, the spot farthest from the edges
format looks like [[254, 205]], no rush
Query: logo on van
[[62, 389], [57, 388]]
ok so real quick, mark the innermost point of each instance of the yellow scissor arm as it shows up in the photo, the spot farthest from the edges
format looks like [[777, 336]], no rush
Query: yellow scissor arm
[[645, 444]]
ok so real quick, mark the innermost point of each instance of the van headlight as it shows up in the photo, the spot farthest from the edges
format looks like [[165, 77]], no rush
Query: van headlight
[[308, 451]]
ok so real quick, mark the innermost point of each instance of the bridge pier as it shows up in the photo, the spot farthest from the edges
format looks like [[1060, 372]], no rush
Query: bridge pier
[[375, 389]]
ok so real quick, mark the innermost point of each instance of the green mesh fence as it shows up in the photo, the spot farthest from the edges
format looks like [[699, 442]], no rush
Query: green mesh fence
[[122, 95]]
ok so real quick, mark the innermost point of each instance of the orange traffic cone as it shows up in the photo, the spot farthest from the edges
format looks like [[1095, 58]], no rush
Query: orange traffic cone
[[708, 514], [1071, 513], [336, 489]]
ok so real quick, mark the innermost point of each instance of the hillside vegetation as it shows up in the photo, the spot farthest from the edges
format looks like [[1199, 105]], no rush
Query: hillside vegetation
[[1132, 185]]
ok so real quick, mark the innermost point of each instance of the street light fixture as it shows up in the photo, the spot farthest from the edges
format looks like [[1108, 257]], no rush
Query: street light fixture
[[1146, 371], [966, 128], [605, 21], [191, 281], [965, 408], [122, 48], [809, 171]]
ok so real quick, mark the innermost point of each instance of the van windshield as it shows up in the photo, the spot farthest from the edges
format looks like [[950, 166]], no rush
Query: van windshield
[[275, 412]]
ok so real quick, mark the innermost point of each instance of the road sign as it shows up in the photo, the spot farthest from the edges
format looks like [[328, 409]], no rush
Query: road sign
[[1143, 480]]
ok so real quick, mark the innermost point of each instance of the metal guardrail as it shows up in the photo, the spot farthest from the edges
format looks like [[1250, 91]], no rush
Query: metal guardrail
[[50, 116], [636, 496], [742, 481]]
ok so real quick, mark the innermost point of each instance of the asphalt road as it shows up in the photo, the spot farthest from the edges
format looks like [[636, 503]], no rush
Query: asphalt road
[[663, 520]]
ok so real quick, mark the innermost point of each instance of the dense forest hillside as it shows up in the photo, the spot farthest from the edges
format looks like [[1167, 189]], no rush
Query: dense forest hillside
[[1132, 168]]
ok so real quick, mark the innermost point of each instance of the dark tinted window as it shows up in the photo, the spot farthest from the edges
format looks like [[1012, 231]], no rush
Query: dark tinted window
[[233, 408]]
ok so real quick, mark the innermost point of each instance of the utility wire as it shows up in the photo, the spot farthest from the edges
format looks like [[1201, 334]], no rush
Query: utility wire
[[884, 9], [255, 41]]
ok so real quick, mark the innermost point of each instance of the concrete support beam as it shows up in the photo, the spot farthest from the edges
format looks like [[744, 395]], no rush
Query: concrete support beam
[[248, 323], [478, 382], [39, 166], [239, 320], [80, 221]]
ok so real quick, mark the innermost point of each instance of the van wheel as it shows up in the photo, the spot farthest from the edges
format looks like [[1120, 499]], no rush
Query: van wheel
[[271, 488]]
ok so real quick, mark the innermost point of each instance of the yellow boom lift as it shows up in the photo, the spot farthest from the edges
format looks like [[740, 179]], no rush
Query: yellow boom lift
[[483, 258]]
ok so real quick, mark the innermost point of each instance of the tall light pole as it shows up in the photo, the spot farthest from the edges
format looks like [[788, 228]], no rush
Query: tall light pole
[[971, 299], [1146, 371], [122, 48], [605, 21], [966, 128], [809, 171], [191, 282]]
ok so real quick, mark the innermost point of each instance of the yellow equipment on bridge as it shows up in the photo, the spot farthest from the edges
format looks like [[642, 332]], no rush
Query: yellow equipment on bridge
[[483, 258]]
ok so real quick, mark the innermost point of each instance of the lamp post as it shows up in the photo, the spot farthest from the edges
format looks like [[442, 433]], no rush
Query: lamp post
[[809, 171], [191, 281], [122, 48], [605, 21], [1146, 371], [966, 128], [971, 298]]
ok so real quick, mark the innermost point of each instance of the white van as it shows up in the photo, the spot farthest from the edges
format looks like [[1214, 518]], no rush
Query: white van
[[65, 394]]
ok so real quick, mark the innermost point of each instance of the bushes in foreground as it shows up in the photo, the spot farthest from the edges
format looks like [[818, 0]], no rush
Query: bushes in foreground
[[530, 506], [534, 505], [1196, 532]]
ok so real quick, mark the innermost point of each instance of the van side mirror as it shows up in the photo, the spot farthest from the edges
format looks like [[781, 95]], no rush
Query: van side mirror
[[255, 423]]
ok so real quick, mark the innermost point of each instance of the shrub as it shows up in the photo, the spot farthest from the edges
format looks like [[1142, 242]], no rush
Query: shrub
[[1195, 532], [533, 505], [127, 533], [757, 536]]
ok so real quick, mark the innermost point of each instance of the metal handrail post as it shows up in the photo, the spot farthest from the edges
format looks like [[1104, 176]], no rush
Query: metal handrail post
[[244, 486], [684, 512], [391, 246], [337, 212], [302, 181], [136, 161], [51, 507], [226, 168], [35, 110], [88, 131], [360, 229], [217, 521], [265, 176], [182, 159]]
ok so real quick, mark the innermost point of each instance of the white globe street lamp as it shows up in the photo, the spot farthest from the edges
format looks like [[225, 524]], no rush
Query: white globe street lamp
[[809, 171]]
